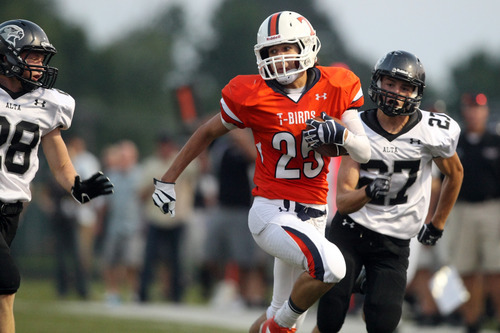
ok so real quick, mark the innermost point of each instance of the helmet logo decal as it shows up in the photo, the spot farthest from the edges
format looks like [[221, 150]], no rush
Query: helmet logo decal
[[401, 71], [273, 37], [11, 34], [274, 29], [303, 19]]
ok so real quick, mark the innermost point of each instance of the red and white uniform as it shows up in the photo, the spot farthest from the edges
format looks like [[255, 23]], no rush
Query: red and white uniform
[[286, 168]]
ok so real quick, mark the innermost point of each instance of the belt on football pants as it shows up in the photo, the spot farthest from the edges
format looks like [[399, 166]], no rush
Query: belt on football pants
[[303, 212], [11, 208]]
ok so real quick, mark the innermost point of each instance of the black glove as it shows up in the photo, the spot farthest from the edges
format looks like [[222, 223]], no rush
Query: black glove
[[380, 186], [98, 184], [429, 234], [329, 131]]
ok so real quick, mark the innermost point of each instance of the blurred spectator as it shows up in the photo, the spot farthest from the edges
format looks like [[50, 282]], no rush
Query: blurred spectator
[[86, 164], [59, 205], [110, 157], [475, 228], [233, 263], [123, 240], [74, 225], [165, 235]]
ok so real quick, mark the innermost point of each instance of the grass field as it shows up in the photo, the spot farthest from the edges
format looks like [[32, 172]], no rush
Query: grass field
[[37, 310]]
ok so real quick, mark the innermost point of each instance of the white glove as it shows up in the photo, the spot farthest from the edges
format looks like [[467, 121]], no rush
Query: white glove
[[164, 197]]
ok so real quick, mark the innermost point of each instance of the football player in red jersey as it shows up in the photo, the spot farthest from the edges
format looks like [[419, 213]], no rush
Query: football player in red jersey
[[31, 114], [288, 216]]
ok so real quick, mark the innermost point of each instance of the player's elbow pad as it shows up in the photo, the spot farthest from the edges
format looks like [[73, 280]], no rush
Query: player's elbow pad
[[358, 147]]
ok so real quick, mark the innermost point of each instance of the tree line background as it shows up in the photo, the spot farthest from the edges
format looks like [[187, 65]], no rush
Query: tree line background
[[126, 89]]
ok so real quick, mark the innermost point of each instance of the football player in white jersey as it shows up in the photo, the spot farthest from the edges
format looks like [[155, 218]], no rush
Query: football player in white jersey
[[31, 112], [383, 203]]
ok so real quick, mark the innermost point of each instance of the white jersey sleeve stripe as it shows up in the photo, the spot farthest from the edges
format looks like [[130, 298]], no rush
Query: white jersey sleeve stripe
[[230, 113], [358, 95]]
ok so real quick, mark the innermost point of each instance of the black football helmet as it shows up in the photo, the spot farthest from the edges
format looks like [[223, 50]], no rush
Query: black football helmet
[[400, 65], [18, 36]]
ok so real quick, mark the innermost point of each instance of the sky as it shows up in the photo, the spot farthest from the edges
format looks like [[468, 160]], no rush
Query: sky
[[441, 33]]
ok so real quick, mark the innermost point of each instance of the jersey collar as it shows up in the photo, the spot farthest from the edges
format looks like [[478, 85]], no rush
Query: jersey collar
[[12, 94], [313, 76], [369, 117]]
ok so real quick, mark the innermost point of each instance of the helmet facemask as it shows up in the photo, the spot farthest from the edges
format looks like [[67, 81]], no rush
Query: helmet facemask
[[306, 58], [286, 28], [29, 38], [389, 102], [399, 65]]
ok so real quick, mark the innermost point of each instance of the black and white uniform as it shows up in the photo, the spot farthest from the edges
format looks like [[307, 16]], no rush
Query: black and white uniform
[[24, 120], [378, 235]]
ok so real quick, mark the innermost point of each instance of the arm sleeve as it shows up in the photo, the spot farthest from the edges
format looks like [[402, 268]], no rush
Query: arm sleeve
[[356, 144]]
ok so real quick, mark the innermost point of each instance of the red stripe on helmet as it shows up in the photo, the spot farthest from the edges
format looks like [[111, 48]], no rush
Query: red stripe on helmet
[[273, 24]]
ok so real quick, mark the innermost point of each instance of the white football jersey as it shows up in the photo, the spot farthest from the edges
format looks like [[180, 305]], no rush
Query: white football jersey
[[23, 122], [408, 157]]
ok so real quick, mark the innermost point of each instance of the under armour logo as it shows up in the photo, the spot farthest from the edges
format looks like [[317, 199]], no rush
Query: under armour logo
[[318, 96], [350, 224], [416, 141], [41, 103]]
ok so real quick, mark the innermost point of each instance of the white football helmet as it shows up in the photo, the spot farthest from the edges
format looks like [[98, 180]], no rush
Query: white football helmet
[[286, 27]]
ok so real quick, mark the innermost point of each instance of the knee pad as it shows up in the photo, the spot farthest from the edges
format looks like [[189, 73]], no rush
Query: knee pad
[[335, 267]]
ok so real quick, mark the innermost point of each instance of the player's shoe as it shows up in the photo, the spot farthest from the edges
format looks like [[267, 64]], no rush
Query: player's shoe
[[270, 326]]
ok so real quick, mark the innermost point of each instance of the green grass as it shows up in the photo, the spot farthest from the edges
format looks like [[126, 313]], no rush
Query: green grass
[[37, 310]]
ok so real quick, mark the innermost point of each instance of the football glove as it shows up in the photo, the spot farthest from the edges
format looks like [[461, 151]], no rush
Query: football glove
[[164, 197], [379, 187], [429, 234], [328, 131], [86, 190]]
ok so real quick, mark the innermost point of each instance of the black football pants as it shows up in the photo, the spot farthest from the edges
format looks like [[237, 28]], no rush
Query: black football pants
[[10, 278], [386, 261]]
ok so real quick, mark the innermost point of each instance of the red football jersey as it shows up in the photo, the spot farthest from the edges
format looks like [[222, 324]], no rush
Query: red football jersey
[[286, 168]]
